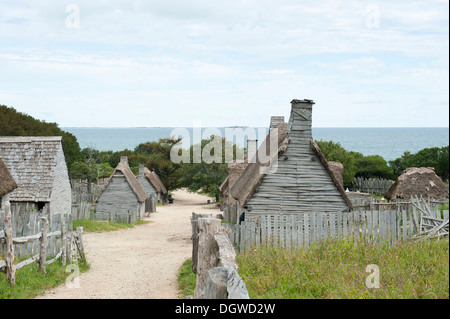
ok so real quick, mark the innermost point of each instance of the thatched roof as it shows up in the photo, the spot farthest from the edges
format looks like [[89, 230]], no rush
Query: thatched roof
[[421, 181], [163, 190], [250, 178], [31, 162], [123, 168], [332, 171], [152, 179], [7, 182]]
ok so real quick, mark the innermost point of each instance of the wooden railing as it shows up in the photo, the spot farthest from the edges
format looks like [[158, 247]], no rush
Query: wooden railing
[[70, 243]]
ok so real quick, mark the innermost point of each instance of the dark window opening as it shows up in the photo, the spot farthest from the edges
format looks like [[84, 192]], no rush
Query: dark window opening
[[41, 205]]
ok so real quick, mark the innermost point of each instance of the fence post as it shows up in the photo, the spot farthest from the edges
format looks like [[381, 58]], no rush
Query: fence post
[[43, 251], [10, 270], [63, 240]]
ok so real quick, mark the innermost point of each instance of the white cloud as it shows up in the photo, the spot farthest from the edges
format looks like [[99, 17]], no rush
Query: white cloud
[[226, 62]]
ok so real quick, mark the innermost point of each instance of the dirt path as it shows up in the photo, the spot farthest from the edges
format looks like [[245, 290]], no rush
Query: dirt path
[[142, 262]]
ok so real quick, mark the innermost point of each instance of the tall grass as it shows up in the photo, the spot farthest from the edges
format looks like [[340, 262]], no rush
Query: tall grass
[[30, 282], [337, 269]]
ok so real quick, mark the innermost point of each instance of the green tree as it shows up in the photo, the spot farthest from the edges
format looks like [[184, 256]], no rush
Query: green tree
[[14, 123], [436, 157], [156, 156], [336, 153], [210, 168], [373, 166]]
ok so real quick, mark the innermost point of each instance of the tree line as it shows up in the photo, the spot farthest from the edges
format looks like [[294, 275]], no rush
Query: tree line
[[14, 123], [91, 164]]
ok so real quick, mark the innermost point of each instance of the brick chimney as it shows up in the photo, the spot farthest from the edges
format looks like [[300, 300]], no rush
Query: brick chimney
[[300, 120]]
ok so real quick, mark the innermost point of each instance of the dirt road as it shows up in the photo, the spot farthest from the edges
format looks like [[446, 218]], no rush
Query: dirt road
[[142, 262]]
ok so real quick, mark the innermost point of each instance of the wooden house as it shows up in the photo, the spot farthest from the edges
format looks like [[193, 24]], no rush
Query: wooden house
[[151, 187], [122, 193], [7, 184], [161, 189], [289, 173], [39, 168]]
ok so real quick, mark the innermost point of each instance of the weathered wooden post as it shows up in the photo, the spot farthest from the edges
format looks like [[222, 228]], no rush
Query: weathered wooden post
[[63, 240], [43, 251], [79, 241], [10, 270], [194, 224]]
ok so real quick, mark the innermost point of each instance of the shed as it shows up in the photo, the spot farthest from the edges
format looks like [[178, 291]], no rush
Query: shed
[[39, 168], [289, 173], [7, 184], [418, 181], [122, 194]]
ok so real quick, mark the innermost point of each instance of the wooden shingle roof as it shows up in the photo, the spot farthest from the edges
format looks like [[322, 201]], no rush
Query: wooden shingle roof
[[31, 162]]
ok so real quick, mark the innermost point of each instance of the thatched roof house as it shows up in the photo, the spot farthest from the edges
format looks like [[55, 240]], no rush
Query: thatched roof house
[[7, 182], [421, 181], [289, 173], [235, 169], [122, 193], [150, 185], [39, 168]]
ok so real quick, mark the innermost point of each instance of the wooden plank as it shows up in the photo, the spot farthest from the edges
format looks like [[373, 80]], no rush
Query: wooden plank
[[312, 224], [446, 215], [345, 222], [306, 229], [319, 226], [339, 224], [404, 224], [333, 231]]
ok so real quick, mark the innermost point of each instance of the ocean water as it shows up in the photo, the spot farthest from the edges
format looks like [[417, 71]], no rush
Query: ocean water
[[390, 143]]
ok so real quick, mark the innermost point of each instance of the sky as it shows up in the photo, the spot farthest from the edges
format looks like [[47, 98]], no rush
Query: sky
[[226, 63]]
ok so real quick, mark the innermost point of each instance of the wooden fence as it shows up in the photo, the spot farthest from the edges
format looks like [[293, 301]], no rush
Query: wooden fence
[[85, 210], [303, 229], [371, 185], [38, 236]]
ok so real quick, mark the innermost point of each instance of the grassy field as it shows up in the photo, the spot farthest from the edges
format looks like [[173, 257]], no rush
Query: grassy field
[[30, 282], [337, 270]]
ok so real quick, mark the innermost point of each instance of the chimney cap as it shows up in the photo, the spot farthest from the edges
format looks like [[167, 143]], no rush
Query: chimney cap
[[308, 101]]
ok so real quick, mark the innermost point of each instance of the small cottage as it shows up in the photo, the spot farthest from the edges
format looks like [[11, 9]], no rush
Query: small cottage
[[38, 166], [418, 181], [122, 193], [161, 189], [289, 173], [151, 187], [7, 184]]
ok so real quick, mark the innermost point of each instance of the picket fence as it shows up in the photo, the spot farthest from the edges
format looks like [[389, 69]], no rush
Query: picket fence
[[303, 229], [371, 185]]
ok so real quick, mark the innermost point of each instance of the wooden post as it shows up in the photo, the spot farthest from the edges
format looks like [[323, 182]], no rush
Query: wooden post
[[80, 241], [194, 224], [10, 270], [43, 249], [63, 240]]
